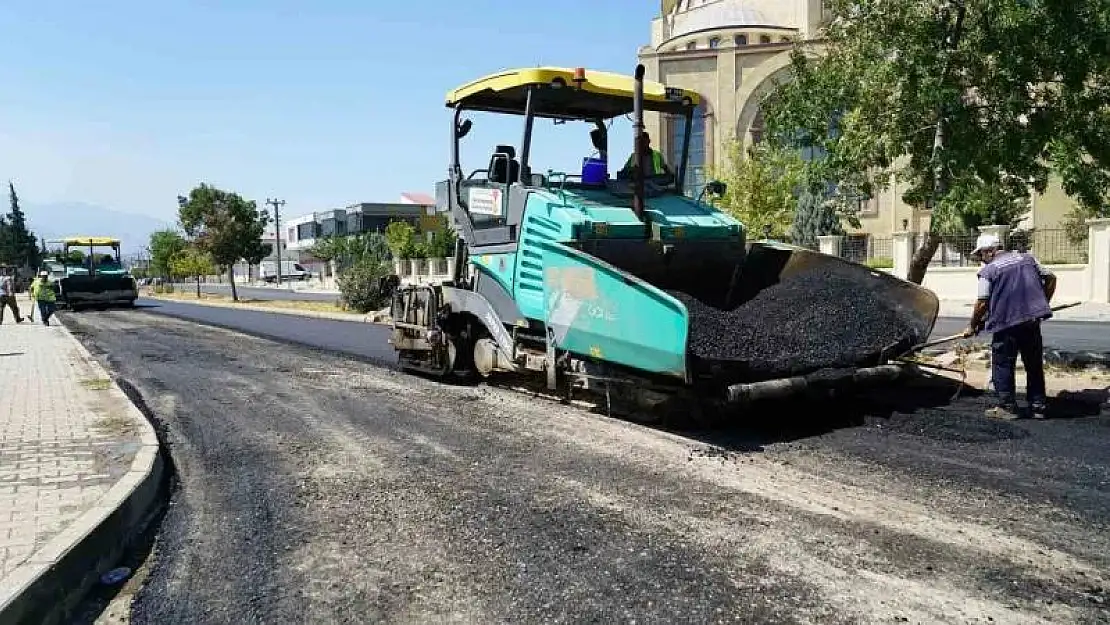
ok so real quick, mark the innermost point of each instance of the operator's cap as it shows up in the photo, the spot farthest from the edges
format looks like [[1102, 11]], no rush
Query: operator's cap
[[986, 242], [43, 274]]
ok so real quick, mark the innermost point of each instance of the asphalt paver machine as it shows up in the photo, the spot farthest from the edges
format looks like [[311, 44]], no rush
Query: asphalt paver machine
[[583, 280], [95, 277]]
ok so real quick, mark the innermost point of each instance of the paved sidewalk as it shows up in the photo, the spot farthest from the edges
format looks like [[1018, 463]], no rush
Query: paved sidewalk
[[1087, 311], [73, 450]]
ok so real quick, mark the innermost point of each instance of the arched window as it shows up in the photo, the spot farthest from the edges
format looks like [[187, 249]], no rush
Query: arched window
[[695, 164], [740, 40], [765, 39], [693, 45], [715, 42]]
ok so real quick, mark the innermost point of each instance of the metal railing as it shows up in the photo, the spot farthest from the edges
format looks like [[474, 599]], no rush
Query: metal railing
[[877, 252], [1053, 247]]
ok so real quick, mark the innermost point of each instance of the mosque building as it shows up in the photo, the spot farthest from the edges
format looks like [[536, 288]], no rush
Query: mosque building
[[733, 52]]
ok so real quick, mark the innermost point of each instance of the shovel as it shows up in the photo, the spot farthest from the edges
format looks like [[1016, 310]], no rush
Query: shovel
[[956, 337]]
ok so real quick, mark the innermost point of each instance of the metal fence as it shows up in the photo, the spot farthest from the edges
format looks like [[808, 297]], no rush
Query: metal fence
[[869, 250], [1051, 247], [1054, 247]]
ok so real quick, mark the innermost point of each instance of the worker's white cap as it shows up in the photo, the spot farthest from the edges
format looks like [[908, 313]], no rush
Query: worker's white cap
[[986, 242], [43, 274]]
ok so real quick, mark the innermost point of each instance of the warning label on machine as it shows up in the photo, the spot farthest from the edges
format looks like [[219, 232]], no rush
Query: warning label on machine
[[485, 202]]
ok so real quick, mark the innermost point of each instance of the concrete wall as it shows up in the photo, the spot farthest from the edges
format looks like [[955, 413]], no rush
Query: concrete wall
[[959, 283]]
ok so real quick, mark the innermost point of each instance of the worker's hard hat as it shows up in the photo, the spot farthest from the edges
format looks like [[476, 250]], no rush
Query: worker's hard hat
[[986, 242], [43, 274]]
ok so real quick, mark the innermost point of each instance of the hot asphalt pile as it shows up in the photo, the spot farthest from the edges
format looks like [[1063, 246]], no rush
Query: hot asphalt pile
[[827, 317]]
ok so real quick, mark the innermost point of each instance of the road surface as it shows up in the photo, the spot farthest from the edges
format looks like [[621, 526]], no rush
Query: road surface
[[316, 488], [369, 340], [260, 292]]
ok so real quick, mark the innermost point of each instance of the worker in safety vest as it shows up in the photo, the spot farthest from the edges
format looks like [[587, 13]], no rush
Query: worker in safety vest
[[653, 164], [42, 291]]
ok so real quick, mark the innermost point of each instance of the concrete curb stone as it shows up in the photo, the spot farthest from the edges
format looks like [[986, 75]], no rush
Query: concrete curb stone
[[53, 581]]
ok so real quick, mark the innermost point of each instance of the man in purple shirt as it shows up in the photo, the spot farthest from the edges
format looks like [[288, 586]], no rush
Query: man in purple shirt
[[1014, 295]]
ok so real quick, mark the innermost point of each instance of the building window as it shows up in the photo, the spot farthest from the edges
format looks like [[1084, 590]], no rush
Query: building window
[[693, 45], [695, 164], [291, 234], [715, 42], [740, 40], [784, 39], [306, 231], [765, 39]]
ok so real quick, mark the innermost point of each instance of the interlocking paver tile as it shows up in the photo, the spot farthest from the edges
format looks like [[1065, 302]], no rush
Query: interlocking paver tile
[[58, 452]]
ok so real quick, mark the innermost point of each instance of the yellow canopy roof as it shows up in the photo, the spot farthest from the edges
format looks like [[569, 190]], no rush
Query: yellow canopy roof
[[93, 241], [602, 94]]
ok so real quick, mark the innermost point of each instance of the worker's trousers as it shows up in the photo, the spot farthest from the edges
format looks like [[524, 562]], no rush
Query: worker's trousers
[[8, 301], [1006, 345], [46, 310]]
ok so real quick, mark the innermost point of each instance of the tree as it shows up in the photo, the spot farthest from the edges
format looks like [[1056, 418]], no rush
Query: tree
[[193, 262], [954, 97], [164, 246], [761, 187], [814, 217], [18, 245], [400, 235], [225, 226]]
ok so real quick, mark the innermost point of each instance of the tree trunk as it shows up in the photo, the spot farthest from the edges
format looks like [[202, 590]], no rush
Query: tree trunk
[[231, 276], [921, 258], [198, 286]]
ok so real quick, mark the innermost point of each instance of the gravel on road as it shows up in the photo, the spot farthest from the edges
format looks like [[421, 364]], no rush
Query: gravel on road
[[314, 488]]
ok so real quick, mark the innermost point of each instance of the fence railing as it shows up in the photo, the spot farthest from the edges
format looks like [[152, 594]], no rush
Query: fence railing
[[1054, 247], [877, 252]]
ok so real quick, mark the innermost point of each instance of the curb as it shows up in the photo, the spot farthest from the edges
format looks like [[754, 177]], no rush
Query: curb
[[55, 579], [351, 317]]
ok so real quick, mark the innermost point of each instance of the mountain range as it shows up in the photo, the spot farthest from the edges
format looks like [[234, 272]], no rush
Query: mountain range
[[55, 220]]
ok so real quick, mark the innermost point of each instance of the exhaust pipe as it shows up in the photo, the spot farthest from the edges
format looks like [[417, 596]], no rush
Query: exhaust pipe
[[637, 147]]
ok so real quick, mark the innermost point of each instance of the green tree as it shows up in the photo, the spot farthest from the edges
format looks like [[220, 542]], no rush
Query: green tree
[[953, 98], [399, 236], [225, 226], [762, 184], [18, 245], [193, 262], [814, 217], [164, 246]]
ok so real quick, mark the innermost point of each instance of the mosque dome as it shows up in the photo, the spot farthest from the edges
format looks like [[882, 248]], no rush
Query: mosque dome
[[697, 15]]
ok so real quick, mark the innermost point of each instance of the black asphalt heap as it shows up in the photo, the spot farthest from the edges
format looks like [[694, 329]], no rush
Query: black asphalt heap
[[831, 316]]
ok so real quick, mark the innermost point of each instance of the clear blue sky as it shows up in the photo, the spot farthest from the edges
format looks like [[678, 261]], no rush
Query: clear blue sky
[[127, 104]]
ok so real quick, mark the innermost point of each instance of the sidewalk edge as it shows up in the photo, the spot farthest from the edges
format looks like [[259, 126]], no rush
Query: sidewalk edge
[[54, 580]]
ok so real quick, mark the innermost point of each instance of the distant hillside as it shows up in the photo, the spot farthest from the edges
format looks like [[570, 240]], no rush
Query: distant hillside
[[60, 219]]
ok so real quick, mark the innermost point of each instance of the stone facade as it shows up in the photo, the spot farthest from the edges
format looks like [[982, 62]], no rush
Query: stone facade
[[733, 52]]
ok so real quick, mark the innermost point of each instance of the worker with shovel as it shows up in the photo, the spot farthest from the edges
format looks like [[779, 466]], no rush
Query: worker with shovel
[[1014, 295]]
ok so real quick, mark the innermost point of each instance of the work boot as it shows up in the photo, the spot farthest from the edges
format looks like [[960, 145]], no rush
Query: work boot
[[1038, 410], [1005, 413]]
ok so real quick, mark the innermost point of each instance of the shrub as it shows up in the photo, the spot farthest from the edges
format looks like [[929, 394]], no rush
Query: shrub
[[360, 285]]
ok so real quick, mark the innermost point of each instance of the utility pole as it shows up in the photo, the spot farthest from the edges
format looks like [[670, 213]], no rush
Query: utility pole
[[277, 204]]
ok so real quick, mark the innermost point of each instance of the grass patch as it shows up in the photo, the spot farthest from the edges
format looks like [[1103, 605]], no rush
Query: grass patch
[[116, 424], [97, 384]]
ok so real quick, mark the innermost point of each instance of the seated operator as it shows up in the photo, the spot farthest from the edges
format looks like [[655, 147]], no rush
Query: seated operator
[[653, 162]]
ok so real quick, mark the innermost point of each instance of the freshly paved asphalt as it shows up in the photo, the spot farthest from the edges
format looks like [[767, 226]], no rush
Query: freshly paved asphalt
[[314, 488], [261, 293], [365, 340], [369, 340]]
